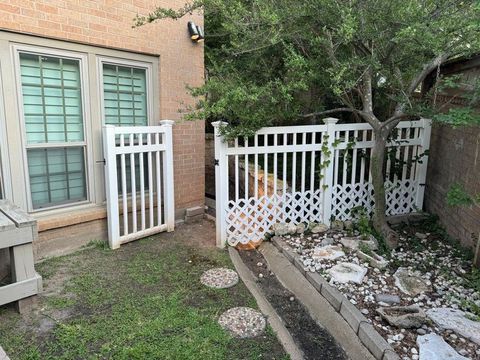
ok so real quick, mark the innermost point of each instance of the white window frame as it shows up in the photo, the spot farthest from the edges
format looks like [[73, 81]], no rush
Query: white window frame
[[147, 66], [16, 49], [6, 184]]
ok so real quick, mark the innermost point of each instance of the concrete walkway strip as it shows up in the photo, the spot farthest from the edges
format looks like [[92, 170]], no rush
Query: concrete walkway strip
[[319, 308], [266, 308], [3, 355]]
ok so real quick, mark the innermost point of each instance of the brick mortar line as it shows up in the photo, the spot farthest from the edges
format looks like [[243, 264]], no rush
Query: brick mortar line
[[365, 331]]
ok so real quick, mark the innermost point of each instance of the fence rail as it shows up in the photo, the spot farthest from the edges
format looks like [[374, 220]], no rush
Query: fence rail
[[139, 181], [312, 174]]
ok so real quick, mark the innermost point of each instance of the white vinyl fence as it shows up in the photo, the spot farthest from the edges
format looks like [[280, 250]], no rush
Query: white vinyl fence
[[139, 181], [312, 173]]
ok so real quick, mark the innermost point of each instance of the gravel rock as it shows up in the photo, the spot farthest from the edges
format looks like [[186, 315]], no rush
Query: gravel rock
[[282, 229], [219, 278], [318, 228], [457, 321], [347, 272], [387, 298], [410, 284], [243, 322], [404, 317], [433, 347]]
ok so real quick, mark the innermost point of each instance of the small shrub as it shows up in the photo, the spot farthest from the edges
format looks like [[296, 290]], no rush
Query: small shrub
[[362, 221], [365, 249]]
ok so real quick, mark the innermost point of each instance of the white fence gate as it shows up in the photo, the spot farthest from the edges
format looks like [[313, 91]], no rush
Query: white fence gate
[[312, 174], [139, 181]]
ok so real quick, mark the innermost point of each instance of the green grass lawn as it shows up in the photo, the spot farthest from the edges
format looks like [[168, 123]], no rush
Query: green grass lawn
[[143, 301]]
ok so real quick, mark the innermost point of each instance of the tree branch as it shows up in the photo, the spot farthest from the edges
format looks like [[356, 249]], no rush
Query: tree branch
[[370, 118], [393, 121], [332, 111], [367, 91], [416, 81], [427, 69], [167, 13]]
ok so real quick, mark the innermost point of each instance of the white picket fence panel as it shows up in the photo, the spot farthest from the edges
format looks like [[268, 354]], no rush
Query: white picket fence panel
[[139, 181], [312, 174]]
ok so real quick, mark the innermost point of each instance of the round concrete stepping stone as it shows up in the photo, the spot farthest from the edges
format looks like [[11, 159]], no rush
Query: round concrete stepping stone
[[219, 278], [243, 322]]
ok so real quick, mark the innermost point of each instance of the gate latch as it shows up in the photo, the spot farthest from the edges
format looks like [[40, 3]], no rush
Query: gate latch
[[216, 162]]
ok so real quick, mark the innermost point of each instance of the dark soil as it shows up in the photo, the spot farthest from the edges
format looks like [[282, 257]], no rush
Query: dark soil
[[313, 340]]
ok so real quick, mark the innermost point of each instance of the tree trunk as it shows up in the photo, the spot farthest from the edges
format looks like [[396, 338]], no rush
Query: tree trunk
[[378, 180]]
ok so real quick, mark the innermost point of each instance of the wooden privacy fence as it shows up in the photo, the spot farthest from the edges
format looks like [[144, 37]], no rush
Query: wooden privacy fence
[[139, 181], [312, 173]]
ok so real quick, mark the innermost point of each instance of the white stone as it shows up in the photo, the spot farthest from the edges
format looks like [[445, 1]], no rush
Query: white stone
[[374, 260], [300, 229], [347, 272], [433, 347], [355, 241], [318, 228], [281, 229], [409, 284], [328, 252], [452, 319], [3, 355]]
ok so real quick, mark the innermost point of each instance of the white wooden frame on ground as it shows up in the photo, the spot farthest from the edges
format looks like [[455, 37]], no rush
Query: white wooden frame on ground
[[17, 233], [125, 144], [324, 173]]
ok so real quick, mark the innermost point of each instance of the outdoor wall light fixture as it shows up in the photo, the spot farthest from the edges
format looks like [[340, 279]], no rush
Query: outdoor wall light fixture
[[195, 32]]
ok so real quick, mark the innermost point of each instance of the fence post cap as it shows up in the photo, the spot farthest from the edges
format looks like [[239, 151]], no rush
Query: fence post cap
[[167, 122], [330, 120], [219, 123]]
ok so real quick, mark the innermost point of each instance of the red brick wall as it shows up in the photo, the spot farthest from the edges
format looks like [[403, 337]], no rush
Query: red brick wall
[[454, 157], [109, 23]]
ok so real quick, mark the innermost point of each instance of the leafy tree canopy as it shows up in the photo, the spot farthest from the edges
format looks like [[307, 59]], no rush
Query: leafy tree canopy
[[275, 61]]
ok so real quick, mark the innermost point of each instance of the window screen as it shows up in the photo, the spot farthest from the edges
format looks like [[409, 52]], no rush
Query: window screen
[[125, 95], [52, 107]]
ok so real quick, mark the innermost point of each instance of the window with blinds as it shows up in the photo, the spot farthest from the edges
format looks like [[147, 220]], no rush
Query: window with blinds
[[125, 95], [53, 117], [125, 104]]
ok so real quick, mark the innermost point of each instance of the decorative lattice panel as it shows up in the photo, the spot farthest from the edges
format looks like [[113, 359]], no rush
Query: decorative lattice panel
[[400, 198], [309, 173], [249, 220], [347, 197]]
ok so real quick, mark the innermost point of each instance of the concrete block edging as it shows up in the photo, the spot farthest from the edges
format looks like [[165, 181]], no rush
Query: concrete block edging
[[367, 334]]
